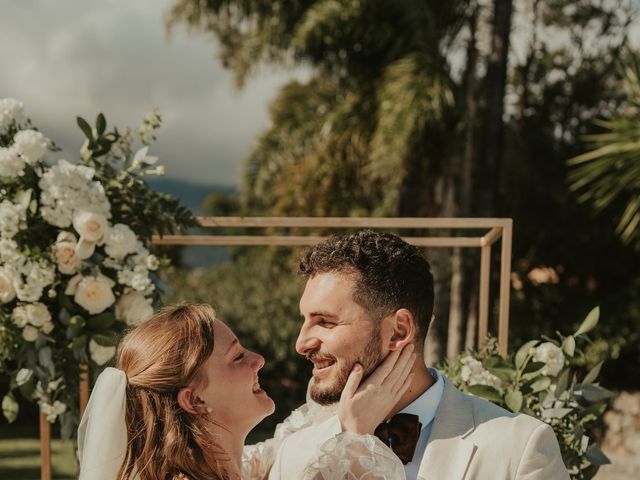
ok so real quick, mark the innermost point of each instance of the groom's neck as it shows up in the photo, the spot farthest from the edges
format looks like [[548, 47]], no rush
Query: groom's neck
[[422, 381]]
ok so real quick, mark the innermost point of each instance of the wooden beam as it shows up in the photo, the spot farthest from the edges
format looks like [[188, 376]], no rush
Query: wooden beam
[[299, 240], [352, 222], [490, 238], [84, 387], [485, 281]]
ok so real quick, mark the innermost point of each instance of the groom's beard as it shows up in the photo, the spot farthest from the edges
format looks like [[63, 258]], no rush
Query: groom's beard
[[370, 357]]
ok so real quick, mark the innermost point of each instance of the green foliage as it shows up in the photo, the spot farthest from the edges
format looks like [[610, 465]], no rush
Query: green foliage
[[46, 330], [608, 176], [548, 380]]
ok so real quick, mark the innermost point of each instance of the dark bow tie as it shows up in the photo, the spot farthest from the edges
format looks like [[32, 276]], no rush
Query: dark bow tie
[[401, 433]]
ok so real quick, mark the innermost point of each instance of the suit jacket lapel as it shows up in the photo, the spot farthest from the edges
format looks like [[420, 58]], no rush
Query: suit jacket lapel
[[449, 452]]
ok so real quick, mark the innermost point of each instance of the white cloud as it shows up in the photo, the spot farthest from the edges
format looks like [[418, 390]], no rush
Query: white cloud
[[65, 58]]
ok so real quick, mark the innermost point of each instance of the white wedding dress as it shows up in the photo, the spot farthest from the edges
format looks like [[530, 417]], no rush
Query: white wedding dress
[[346, 456]]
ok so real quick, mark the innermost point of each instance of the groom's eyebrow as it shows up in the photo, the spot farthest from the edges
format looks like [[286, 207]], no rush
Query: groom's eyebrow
[[322, 313]]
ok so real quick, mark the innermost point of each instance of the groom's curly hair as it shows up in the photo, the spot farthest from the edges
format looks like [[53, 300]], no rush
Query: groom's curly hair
[[389, 273], [160, 357]]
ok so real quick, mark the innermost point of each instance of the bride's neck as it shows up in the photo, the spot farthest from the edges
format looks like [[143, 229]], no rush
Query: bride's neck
[[232, 444]]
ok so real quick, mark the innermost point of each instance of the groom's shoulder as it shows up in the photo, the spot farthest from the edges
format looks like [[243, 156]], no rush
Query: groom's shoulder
[[489, 415]]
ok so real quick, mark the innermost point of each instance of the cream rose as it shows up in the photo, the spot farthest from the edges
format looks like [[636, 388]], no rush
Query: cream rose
[[64, 252], [133, 308], [552, 355], [94, 294], [120, 241], [100, 354], [47, 328], [35, 314], [30, 333], [92, 228], [7, 290]]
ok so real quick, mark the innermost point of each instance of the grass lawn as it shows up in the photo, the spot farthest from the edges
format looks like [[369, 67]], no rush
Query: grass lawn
[[20, 456]]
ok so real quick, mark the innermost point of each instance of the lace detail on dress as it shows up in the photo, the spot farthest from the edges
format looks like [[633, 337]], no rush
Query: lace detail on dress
[[258, 459], [348, 456]]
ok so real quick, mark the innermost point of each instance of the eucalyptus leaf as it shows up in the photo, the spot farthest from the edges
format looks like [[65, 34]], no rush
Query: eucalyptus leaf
[[594, 393], [10, 407], [101, 124], [569, 345], [110, 339], [533, 367], [85, 127], [541, 384], [589, 322], [523, 352], [486, 392], [101, 322], [596, 457], [592, 376], [555, 412], [78, 342], [45, 359], [513, 399], [563, 382]]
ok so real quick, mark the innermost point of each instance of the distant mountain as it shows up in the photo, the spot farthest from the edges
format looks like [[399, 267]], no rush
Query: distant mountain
[[191, 194]]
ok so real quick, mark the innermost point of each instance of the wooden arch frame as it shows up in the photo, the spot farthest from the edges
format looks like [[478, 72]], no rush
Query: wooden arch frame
[[494, 229]]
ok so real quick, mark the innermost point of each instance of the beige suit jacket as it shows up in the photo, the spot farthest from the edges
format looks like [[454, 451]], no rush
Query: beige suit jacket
[[471, 439]]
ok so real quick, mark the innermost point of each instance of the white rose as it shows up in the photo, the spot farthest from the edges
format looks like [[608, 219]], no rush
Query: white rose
[[35, 313], [133, 308], [30, 333], [47, 328], [9, 251], [11, 165], [72, 285], [140, 280], [32, 145], [152, 262], [10, 110], [23, 376], [94, 294], [120, 241], [91, 226], [100, 354], [51, 412], [7, 290], [552, 356], [64, 253], [12, 219]]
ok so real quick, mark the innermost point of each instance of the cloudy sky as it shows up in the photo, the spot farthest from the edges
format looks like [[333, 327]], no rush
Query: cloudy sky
[[64, 58]]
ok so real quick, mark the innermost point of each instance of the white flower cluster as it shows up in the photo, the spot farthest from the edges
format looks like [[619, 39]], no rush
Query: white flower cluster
[[33, 319], [13, 218], [50, 409], [473, 373], [10, 110], [552, 356], [68, 189]]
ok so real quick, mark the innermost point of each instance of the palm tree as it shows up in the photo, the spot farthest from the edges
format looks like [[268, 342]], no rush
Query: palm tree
[[608, 175]]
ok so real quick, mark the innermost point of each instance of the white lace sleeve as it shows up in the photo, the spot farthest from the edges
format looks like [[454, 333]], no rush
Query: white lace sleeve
[[258, 459], [349, 456]]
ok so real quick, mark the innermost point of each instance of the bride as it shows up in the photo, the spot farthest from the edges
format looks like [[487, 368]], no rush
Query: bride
[[185, 394]]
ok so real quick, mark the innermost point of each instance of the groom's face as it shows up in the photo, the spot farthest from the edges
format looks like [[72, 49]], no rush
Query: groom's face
[[336, 333]]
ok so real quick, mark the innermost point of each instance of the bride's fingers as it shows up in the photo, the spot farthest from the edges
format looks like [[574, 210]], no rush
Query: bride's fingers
[[353, 382], [402, 366], [382, 371], [403, 371], [405, 386]]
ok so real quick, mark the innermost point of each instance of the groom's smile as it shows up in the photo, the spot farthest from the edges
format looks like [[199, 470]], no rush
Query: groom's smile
[[336, 334]]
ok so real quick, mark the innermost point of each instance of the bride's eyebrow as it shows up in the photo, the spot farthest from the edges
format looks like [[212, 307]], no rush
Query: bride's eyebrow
[[234, 343]]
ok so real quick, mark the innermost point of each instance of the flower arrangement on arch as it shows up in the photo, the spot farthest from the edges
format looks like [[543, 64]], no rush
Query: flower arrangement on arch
[[546, 379], [75, 261]]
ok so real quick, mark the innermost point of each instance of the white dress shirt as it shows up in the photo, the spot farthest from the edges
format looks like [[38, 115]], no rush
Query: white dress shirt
[[425, 407]]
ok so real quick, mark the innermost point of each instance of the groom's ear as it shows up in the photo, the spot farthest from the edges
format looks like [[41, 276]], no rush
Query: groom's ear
[[189, 401], [404, 329]]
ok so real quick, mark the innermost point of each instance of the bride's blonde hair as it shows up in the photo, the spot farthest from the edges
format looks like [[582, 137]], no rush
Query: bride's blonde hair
[[160, 357]]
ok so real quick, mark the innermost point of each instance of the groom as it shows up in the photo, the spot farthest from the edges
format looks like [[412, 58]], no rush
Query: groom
[[368, 294]]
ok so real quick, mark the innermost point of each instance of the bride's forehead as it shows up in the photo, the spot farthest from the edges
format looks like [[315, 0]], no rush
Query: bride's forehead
[[223, 336]]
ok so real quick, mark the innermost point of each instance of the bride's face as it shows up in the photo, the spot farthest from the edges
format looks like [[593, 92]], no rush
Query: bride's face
[[232, 389]]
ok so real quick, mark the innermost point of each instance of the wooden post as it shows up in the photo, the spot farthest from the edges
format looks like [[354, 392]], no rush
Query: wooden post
[[84, 388], [485, 270], [45, 448], [505, 288]]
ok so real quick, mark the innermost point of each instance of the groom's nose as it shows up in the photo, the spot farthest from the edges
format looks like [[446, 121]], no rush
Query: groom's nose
[[306, 342]]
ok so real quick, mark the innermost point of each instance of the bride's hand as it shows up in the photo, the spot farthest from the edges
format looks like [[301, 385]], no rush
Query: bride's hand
[[363, 407]]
